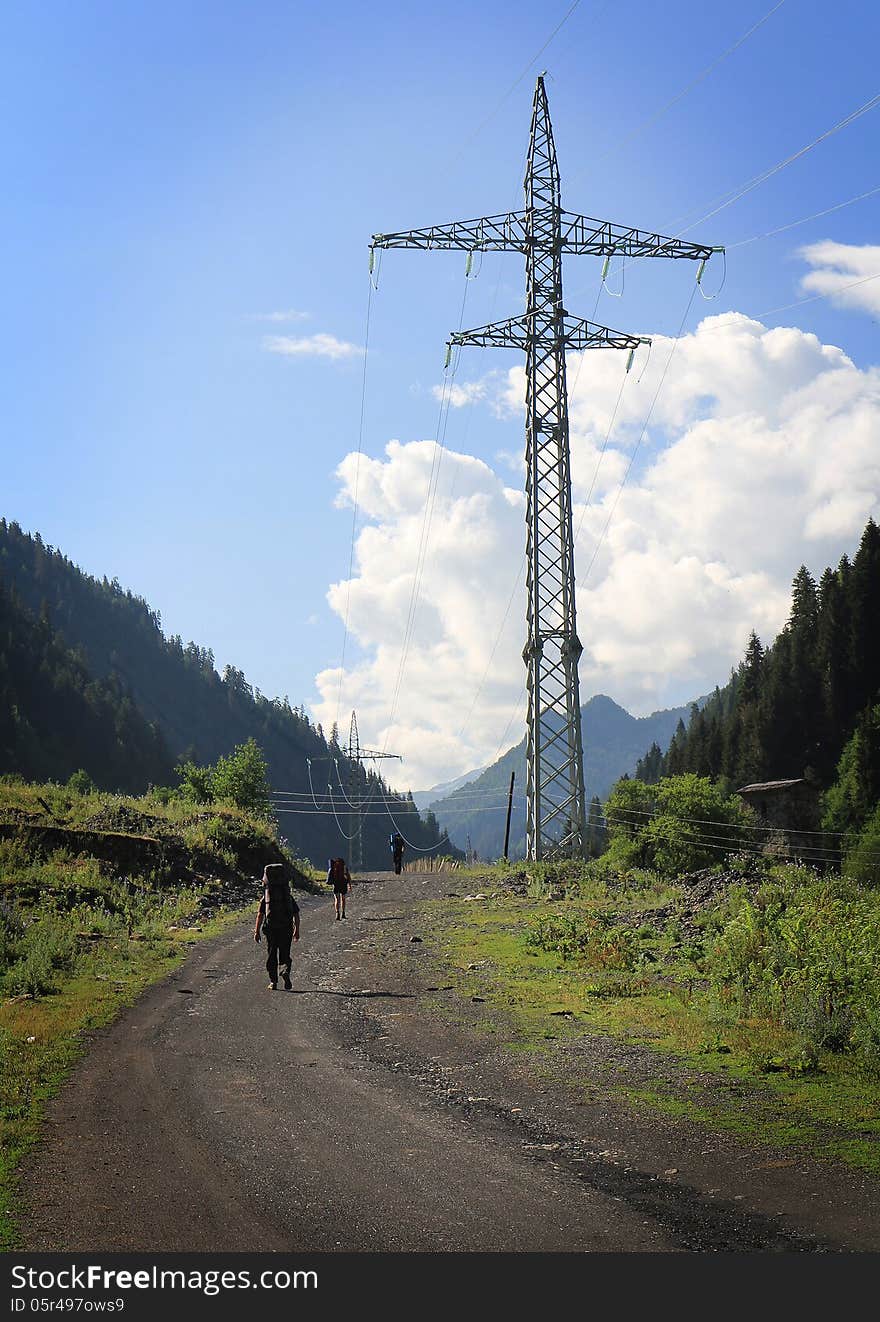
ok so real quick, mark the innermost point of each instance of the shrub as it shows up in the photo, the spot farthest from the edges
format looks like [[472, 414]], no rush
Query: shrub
[[679, 825], [803, 952], [863, 860], [593, 940]]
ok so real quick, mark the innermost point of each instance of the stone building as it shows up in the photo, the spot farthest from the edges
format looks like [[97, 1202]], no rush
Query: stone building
[[789, 810]]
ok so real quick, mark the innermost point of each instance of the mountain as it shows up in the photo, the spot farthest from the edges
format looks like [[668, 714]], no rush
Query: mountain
[[424, 798], [125, 667], [613, 742]]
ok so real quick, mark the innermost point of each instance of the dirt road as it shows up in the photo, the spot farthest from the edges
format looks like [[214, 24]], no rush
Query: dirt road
[[216, 1115]]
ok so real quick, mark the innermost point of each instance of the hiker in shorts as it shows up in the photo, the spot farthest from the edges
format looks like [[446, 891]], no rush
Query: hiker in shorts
[[278, 922], [397, 847], [339, 877]]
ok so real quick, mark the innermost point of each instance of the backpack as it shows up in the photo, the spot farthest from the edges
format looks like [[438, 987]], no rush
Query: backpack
[[337, 871], [279, 904]]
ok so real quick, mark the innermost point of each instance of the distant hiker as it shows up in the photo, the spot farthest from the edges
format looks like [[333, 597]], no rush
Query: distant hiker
[[340, 878], [278, 922], [397, 847]]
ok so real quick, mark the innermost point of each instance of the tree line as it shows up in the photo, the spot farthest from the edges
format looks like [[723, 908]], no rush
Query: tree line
[[806, 706], [789, 709]]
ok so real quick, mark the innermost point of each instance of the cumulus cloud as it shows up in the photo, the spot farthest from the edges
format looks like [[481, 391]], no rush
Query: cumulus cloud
[[845, 272], [312, 346], [484, 389], [460, 395], [761, 454]]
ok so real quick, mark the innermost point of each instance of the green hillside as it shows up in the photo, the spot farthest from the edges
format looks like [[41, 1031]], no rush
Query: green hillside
[[55, 718], [165, 702]]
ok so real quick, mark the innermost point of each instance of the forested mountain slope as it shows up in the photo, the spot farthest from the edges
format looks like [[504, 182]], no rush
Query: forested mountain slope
[[120, 646], [56, 719]]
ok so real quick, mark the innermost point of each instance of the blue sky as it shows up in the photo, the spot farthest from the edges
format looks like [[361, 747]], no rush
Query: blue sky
[[179, 174]]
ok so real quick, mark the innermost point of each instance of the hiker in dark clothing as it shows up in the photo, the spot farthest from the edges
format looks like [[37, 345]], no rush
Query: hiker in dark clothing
[[278, 921], [339, 878], [397, 847]]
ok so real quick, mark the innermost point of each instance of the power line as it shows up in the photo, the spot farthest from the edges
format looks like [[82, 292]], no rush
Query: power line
[[812, 298], [427, 518], [816, 215], [515, 84], [652, 119], [354, 513], [641, 437], [736, 194]]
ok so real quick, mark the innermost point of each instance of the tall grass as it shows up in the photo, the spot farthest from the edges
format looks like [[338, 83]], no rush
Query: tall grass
[[804, 952]]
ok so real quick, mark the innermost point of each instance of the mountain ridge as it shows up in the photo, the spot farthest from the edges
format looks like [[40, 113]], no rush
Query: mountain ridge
[[614, 741]]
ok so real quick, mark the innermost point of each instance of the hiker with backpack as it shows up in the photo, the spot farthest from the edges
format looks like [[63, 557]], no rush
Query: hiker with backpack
[[278, 922], [397, 847], [339, 878]]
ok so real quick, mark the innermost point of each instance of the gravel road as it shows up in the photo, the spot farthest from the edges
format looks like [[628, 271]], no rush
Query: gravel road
[[216, 1115]]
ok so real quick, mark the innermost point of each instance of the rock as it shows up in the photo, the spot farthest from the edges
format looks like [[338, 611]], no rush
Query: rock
[[415, 938]]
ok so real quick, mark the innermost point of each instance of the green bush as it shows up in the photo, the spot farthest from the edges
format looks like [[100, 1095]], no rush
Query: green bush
[[679, 825], [46, 946], [804, 952], [594, 940], [863, 860]]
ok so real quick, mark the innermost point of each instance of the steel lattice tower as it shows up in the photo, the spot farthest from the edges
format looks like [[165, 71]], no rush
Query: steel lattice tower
[[543, 232], [356, 757]]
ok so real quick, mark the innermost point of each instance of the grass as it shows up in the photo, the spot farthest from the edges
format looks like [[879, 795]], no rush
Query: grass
[[568, 961], [42, 1037], [81, 936]]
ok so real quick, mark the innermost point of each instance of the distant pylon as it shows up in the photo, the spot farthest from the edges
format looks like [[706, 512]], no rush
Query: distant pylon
[[543, 232], [356, 756]]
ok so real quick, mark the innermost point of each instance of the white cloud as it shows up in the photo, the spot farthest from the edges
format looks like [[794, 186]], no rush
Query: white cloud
[[838, 267], [312, 346], [460, 395], [291, 314], [761, 454]]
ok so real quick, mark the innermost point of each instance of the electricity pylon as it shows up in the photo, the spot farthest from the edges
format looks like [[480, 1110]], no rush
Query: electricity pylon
[[356, 756], [543, 232]]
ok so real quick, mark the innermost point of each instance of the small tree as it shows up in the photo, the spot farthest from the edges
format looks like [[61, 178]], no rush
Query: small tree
[[195, 782], [81, 782], [242, 779], [682, 823]]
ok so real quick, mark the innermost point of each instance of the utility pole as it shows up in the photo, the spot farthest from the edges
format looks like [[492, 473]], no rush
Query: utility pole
[[356, 756], [509, 808], [543, 232]]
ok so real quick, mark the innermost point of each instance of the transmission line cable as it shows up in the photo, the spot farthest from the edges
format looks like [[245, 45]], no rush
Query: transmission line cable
[[427, 517], [419, 849], [812, 298], [734, 195], [601, 456], [354, 512], [793, 224], [343, 833], [515, 84], [641, 436], [311, 786], [652, 119]]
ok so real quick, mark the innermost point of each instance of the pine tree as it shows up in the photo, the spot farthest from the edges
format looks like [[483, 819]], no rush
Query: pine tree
[[865, 626]]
